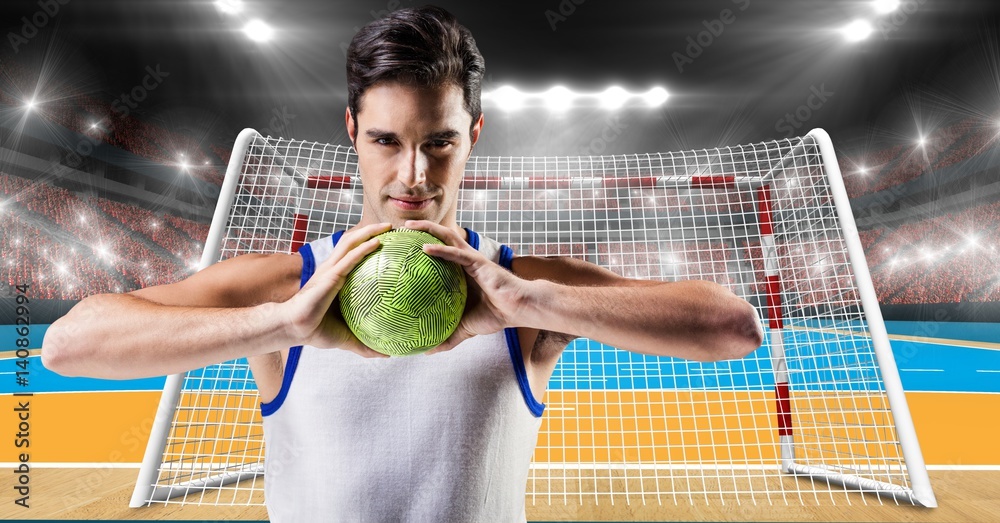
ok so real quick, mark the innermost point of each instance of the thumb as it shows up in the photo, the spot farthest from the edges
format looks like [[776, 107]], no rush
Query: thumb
[[461, 334]]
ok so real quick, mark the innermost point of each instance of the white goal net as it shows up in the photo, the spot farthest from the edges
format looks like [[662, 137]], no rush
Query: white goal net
[[816, 415]]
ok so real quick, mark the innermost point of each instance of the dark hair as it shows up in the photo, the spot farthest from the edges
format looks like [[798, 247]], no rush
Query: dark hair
[[423, 46]]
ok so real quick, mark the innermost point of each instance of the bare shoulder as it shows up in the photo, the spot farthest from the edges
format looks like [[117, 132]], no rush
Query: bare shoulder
[[241, 281]]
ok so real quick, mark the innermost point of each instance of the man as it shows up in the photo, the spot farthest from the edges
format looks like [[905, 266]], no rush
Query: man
[[422, 438]]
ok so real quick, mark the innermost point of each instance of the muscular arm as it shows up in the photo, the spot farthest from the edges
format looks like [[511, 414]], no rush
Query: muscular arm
[[697, 320], [246, 306], [223, 312]]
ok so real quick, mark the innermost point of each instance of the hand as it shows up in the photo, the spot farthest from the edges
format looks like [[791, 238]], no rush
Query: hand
[[496, 295], [308, 314]]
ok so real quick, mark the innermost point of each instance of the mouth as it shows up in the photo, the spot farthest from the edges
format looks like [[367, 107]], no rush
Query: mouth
[[409, 203]]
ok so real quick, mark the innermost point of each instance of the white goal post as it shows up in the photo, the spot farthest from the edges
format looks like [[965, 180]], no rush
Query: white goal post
[[816, 415]]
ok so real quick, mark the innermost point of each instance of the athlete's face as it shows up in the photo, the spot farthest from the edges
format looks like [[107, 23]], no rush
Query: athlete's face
[[412, 146]]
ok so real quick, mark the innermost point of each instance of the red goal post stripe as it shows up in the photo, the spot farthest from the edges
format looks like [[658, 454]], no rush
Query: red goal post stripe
[[531, 182]]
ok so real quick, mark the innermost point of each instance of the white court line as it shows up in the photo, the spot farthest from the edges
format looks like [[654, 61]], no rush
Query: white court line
[[38, 393], [986, 370], [543, 466], [109, 465], [921, 370]]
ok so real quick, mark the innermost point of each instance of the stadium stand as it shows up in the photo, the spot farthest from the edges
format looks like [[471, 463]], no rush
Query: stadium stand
[[69, 245], [892, 166]]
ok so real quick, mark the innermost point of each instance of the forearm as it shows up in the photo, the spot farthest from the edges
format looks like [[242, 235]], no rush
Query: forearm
[[696, 320], [123, 336]]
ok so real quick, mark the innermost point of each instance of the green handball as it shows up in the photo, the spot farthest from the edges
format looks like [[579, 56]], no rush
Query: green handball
[[401, 301]]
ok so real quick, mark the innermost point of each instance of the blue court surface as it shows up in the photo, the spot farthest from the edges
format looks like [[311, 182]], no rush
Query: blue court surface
[[948, 357]]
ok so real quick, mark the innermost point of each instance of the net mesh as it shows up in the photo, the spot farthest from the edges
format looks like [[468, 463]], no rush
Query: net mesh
[[618, 425]]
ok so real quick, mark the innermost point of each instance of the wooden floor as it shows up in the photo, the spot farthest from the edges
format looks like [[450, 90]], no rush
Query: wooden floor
[[963, 496]]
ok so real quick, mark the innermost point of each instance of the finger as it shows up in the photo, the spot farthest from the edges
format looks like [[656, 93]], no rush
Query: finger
[[343, 267], [366, 352], [445, 234], [351, 240], [464, 257], [353, 344], [330, 278], [461, 334]]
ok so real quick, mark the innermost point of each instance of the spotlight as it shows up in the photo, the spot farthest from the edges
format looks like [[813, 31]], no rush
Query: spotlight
[[864, 170], [508, 98], [857, 30], [885, 6], [230, 7], [922, 141], [258, 31], [558, 98], [613, 97], [656, 96], [30, 104]]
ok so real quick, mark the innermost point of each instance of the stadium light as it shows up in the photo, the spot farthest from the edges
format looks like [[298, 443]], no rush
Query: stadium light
[[613, 97], [508, 98], [258, 31], [229, 7], [656, 96], [885, 6], [558, 98], [30, 104], [922, 141], [857, 30], [864, 170]]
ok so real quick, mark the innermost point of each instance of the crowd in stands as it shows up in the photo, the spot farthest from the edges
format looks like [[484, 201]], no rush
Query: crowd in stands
[[70, 246], [99, 121], [195, 230], [146, 223], [891, 166], [947, 258]]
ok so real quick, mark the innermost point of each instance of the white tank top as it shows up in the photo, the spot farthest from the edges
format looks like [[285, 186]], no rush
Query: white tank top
[[446, 437]]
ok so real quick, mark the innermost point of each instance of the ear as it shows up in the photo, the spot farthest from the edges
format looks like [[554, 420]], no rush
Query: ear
[[349, 121], [476, 129]]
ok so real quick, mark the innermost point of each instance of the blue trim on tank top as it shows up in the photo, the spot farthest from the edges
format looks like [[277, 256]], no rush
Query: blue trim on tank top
[[513, 342], [514, 347], [308, 268], [473, 238]]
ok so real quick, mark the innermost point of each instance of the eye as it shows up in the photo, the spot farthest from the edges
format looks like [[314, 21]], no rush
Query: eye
[[383, 141], [439, 143]]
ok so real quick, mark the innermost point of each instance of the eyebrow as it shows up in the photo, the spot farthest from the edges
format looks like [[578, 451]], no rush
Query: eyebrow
[[446, 134]]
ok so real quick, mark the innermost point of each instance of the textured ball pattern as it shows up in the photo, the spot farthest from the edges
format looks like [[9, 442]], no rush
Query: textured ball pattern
[[399, 300]]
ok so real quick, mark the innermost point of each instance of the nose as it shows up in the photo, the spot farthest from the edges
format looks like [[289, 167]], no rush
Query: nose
[[413, 171]]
